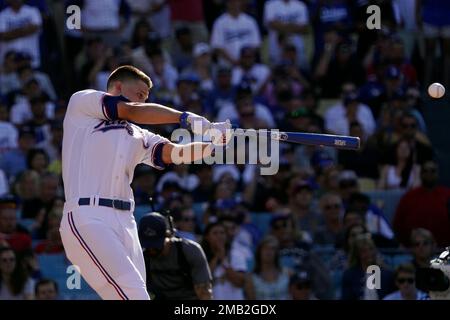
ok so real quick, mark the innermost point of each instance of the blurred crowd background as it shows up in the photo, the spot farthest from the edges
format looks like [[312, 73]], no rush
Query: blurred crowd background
[[308, 232]]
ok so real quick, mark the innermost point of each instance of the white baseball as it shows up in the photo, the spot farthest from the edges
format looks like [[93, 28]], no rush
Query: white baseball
[[436, 90]]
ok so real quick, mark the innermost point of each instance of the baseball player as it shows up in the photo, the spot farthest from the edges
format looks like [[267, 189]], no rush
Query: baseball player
[[101, 147]]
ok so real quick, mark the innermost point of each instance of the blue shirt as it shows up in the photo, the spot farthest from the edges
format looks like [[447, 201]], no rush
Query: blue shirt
[[13, 162]]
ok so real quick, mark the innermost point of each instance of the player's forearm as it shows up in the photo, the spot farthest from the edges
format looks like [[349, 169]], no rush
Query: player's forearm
[[148, 113], [189, 153]]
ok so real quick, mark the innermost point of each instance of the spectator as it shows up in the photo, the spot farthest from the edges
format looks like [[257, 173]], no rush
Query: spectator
[[184, 220], [10, 231], [227, 265], [423, 247], [267, 281], [53, 146], [52, 244], [205, 188], [20, 25], [295, 254], [163, 74], [331, 208], [339, 117], [21, 112], [222, 93], [182, 48], [143, 184], [424, 207], [300, 286], [141, 30], [365, 160], [106, 20], [338, 65], [202, 67], [26, 73], [176, 268], [27, 185], [433, 22], [403, 172], [373, 218], [186, 88], [287, 21], [39, 123], [8, 132], [189, 13], [233, 30], [181, 176], [153, 13], [9, 81], [405, 278], [15, 284], [363, 254], [38, 160], [303, 208], [251, 72], [46, 289], [246, 113]]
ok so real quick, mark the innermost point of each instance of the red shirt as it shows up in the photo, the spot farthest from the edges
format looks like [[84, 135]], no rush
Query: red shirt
[[422, 208], [46, 247], [186, 10], [17, 241]]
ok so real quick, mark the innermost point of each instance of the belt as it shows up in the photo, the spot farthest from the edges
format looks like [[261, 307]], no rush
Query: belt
[[110, 203]]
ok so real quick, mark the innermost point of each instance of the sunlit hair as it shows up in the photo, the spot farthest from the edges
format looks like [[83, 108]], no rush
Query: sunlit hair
[[127, 73]]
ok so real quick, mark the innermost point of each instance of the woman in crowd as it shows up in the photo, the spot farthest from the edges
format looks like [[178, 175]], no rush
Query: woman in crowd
[[15, 283], [423, 247], [268, 281], [228, 266]]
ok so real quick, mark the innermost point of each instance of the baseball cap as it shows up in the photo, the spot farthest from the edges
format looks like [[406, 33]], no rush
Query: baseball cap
[[300, 277], [392, 72], [201, 48], [188, 77], [347, 175], [321, 159], [152, 231]]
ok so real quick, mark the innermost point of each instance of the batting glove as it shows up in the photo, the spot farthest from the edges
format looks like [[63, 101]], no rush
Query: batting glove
[[220, 133], [197, 124]]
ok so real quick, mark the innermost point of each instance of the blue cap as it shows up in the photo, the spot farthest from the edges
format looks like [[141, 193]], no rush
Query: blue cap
[[188, 77], [152, 231], [392, 72], [350, 97]]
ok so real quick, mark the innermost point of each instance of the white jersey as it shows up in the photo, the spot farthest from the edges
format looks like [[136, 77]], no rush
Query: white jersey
[[231, 34], [11, 20], [293, 11], [99, 155]]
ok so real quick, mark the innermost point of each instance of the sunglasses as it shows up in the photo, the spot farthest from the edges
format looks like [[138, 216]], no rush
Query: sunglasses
[[404, 280], [8, 259]]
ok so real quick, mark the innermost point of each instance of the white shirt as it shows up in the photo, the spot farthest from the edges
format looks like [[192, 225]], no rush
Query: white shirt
[[256, 76], [11, 20], [21, 112], [188, 182], [336, 120], [223, 289], [8, 136], [231, 34], [292, 11], [99, 156], [100, 15], [28, 289]]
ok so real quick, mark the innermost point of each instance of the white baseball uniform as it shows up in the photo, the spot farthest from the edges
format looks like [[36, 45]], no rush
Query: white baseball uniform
[[99, 155]]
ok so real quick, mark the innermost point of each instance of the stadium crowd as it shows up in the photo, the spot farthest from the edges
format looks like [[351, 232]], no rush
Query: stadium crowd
[[308, 232]]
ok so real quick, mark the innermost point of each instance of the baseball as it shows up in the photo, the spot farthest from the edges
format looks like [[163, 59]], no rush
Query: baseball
[[436, 90]]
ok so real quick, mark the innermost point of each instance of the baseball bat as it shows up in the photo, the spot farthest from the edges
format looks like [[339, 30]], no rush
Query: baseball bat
[[316, 139]]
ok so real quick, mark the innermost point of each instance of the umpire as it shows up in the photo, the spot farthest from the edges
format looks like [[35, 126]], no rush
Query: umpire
[[176, 268]]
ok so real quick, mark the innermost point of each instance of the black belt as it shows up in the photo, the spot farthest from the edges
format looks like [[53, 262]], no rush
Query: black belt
[[116, 204]]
